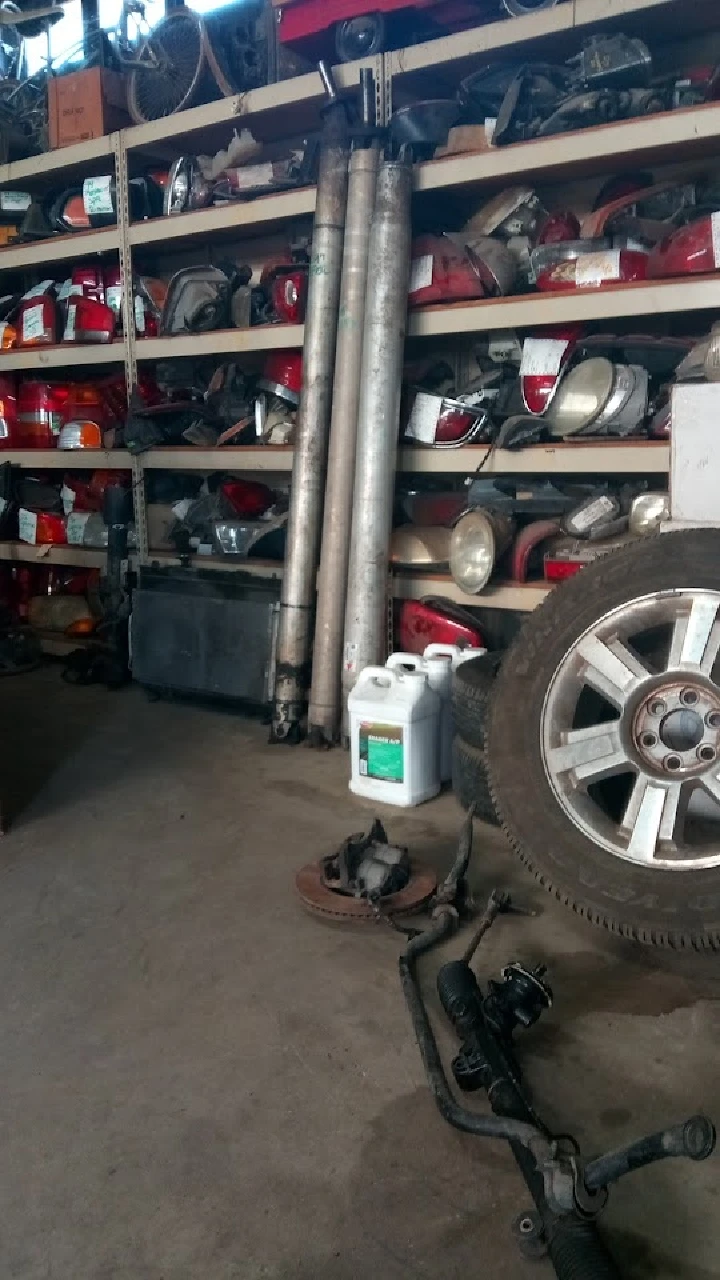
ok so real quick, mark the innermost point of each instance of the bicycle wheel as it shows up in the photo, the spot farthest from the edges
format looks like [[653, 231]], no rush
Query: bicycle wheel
[[171, 73]]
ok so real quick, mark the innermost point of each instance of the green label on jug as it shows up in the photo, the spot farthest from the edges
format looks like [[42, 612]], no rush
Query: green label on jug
[[381, 752]]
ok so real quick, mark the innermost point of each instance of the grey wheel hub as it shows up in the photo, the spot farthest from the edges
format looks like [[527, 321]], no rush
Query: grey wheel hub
[[630, 731]]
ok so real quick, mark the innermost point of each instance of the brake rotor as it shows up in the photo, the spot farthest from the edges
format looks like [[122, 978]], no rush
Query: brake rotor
[[333, 904]]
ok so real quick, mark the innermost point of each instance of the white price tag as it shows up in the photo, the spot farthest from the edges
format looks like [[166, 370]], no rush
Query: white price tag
[[542, 356], [15, 201], [97, 195], [76, 522], [113, 297], [27, 525], [595, 268], [69, 290], [715, 219], [424, 417], [139, 314], [33, 325], [37, 290], [421, 273], [68, 499], [69, 334], [256, 175], [350, 659]]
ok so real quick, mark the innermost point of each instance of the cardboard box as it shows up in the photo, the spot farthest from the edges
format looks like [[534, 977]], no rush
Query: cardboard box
[[86, 104]]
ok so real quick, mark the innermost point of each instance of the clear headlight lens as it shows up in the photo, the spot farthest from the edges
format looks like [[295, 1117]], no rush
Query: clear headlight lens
[[472, 551], [648, 512]]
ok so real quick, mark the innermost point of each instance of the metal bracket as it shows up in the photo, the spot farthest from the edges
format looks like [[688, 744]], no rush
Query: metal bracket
[[128, 314], [383, 89]]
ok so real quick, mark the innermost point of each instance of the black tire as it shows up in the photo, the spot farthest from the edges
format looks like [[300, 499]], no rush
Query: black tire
[[658, 907], [470, 779], [472, 686]]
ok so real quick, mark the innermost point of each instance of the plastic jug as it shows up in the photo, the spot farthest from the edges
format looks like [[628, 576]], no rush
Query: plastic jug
[[394, 726], [451, 651], [438, 668], [457, 657]]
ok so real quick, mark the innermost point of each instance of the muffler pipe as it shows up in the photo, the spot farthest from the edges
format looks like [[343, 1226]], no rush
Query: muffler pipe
[[311, 436], [325, 694], [378, 422]]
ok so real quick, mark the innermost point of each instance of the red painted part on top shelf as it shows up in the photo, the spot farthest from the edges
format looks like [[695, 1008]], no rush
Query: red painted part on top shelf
[[311, 17]]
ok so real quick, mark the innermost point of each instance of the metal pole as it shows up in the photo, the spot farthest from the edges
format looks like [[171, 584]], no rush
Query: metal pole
[[308, 478], [378, 422], [324, 714]]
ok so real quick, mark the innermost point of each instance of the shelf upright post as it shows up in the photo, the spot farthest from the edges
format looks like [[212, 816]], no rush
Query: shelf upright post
[[128, 314]]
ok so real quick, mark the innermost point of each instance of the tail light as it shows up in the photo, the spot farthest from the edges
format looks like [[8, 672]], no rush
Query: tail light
[[688, 251], [40, 409], [441, 271], [88, 281], [559, 267], [80, 435], [248, 498], [8, 336], [36, 527], [85, 400], [289, 296], [70, 214], [8, 413], [113, 290], [421, 623], [441, 422], [543, 359], [89, 321], [282, 375], [36, 322]]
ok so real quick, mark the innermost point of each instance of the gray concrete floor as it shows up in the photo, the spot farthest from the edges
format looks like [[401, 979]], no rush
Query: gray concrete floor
[[201, 1082]]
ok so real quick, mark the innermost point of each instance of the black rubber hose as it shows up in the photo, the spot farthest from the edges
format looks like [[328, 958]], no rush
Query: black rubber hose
[[695, 1139], [483, 1126], [577, 1252]]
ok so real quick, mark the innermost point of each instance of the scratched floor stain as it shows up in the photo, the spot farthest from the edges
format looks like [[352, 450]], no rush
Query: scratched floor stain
[[201, 1082]]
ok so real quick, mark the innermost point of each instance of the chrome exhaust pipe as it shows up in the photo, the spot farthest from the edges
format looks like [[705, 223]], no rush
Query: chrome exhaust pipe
[[378, 422], [325, 694]]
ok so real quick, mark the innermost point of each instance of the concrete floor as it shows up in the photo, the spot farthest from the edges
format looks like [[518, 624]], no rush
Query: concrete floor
[[201, 1082]]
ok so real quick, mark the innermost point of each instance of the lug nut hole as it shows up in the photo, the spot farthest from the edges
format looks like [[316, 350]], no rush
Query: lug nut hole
[[649, 739], [657, 708], [689, 697], [714, 720], [706, 754], [673, 763]]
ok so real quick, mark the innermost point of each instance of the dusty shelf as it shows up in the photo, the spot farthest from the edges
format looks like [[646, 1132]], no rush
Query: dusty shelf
[[246, 458], [609, 458], [221, 342], [522, 597], [535, 310], [258, 568], [265, 213], [62, 356], [25, 553], [81, 244], [671, 135], [80, 156], [68, 459]]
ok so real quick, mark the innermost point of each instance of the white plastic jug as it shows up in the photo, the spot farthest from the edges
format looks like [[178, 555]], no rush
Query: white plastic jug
[[438, 668], [452, 651], [394, 726]]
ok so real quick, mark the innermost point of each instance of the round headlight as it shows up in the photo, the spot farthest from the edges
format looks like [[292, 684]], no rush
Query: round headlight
[[581, 397], [648, 512], [478, 539]]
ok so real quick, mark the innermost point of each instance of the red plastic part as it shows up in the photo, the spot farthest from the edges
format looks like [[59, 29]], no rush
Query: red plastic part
[[289, 295], [36, 322], [8, 412], [419, 625], [309, 17], [284, 369], [93, 321], [688, 251], [40, 410], [559, 570], [248, 498], [454, 278], [90, 280], [50, 528], [633, 266]]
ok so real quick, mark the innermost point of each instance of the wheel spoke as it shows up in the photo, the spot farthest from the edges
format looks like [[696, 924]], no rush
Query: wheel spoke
[[711, 783], [590, 754], [696, 637], [650, 817], [611, 669]]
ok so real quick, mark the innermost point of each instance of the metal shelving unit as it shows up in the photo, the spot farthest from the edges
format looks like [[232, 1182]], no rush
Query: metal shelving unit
[[292, 107]]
